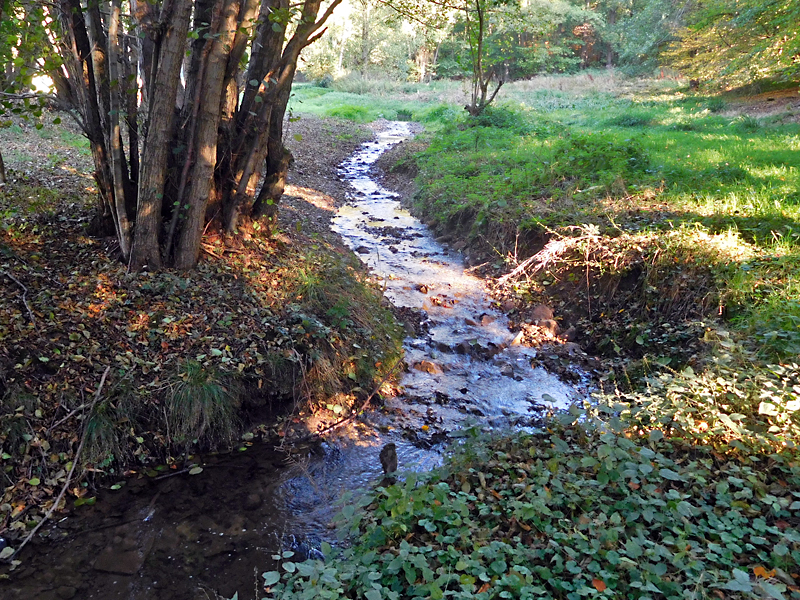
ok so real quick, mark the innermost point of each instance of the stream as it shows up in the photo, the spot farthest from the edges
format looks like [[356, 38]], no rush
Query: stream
[[186, 537]]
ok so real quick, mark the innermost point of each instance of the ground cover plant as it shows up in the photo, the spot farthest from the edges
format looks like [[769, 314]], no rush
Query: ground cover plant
[[576, 511]]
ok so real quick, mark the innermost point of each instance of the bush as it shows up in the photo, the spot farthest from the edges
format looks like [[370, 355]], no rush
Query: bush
[[502, 117]]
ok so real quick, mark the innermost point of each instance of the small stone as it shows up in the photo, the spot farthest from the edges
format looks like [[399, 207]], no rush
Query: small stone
[[388, 458], [506, 370], [65, 592], [542, 312], [549, 326], [427, 366], [470, 322], [252, 501], [421, 288], [518, 339], [362, 250]]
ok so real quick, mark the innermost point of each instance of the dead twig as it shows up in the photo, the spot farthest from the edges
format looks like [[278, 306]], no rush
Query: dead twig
[[546, 256], [75, 461], [24, 294]]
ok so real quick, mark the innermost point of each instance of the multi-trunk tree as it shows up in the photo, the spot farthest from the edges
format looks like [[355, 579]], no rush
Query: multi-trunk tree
[[183, 102]]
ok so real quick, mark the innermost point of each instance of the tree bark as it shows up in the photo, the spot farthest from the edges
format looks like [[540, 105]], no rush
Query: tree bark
[[170, 49], [124, 228], [196, 145], [206, 141]]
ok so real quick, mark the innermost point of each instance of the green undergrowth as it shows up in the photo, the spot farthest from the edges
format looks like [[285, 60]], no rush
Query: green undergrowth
[[585, 510], [354, 106]]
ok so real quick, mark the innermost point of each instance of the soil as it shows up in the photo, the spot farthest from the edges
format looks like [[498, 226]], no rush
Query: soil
[[781, 104]]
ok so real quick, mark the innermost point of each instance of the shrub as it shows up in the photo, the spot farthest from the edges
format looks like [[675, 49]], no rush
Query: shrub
[[502, 117]]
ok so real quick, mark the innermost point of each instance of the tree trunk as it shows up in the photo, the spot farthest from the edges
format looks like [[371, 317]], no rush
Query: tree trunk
[[121, 216], [199, 146], [169, 56], [206, 140], [2, 170]]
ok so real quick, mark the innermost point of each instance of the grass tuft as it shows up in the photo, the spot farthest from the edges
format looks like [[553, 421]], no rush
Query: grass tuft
[[202, 408]]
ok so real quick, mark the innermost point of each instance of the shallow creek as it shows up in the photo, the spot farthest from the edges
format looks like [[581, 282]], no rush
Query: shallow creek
[[187, 537]]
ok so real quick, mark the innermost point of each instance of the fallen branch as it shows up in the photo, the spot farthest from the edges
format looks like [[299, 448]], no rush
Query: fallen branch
[[546, 256], [69, 475], [24, 294]]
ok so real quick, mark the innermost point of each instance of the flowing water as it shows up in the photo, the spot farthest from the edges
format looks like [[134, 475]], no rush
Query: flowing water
[[193, 536]]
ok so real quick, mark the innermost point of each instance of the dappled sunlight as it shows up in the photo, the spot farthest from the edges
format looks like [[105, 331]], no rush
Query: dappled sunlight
[[312, 196]]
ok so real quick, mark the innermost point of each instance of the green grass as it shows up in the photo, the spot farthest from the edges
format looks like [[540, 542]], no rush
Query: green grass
[[628, 164], [360, 108], [202, 408]]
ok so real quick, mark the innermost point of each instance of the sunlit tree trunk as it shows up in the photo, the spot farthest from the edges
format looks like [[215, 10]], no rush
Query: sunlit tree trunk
[[196, 152]]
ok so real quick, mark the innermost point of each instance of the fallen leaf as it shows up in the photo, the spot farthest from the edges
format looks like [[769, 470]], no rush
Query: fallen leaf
[[760, 571], [599, 584]]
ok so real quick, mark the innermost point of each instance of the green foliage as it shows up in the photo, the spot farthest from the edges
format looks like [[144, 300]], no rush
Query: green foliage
[[732, 401], [202, 407], [439, 113], [339, 321], [739, 42], [574, 512], [358, 114], [599, 158], [588, 159], [25, 51], [503, 117], [356, 107], [630, 120]]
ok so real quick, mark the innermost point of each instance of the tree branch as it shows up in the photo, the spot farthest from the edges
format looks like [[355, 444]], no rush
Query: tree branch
[[24, 294]]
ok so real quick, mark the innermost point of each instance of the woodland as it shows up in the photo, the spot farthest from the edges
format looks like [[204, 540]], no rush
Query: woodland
[[632, 164]]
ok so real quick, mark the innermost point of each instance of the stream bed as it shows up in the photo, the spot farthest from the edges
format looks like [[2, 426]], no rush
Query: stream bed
[[210, 535]]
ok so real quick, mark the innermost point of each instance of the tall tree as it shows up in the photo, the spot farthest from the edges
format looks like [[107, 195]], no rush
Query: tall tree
[[739, 41], [201, 88]]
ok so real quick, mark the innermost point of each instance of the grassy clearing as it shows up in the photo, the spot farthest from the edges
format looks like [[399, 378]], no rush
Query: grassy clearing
[[637, 166]]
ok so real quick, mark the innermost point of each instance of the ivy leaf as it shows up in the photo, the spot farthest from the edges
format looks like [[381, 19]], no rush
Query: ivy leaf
[[740, 582], [271, 577], [670, 474]]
